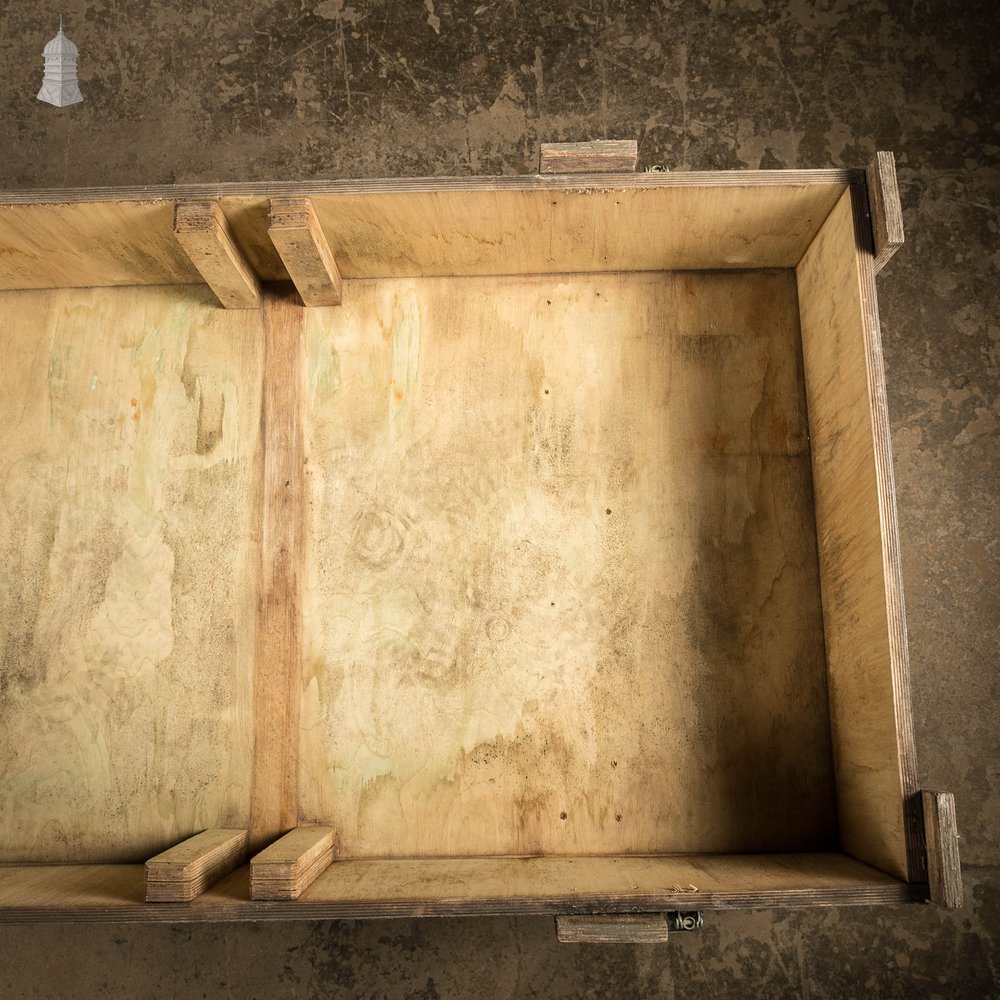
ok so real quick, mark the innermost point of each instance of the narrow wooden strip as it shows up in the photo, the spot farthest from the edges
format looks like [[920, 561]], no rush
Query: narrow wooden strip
[[186, 870], [599, 156], [291, 887], [278, 644], [290, 865], [299, 240], [471, 887], [944, 869], [885, 206], [205, 236], [612, 928]]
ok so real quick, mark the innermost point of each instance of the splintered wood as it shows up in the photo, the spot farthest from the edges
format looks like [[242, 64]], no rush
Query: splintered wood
[[289, 866], [187, 870]]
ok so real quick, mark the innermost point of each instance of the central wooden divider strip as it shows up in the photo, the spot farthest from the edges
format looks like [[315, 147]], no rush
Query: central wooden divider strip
[[278, 643]]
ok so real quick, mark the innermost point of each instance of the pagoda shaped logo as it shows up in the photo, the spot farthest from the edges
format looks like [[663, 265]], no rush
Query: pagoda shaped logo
[[59, 86]]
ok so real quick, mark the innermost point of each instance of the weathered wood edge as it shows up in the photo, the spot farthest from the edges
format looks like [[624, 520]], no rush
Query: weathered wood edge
[[612, 928], [891, 558], [885, 207], [519, 182], [944, 867], [204, 234], [596, 156]]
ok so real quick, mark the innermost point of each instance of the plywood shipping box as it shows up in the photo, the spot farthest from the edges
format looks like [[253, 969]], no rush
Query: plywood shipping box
[[455, 546]]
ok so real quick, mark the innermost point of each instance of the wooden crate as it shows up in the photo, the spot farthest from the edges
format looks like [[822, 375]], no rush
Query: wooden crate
[[553, 570]]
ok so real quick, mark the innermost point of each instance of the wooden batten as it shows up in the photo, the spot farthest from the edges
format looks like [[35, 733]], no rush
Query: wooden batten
[[296, 234], [205, 236], [187, 870], [944, 869], [886, 209], [290, 865], [612, 928], [278, 643], [597, 157]]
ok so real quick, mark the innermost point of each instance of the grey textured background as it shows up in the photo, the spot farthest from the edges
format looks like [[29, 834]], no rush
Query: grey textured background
[[350, 88]]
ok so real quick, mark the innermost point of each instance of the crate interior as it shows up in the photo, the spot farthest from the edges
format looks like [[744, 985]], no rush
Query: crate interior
[[560, 589]]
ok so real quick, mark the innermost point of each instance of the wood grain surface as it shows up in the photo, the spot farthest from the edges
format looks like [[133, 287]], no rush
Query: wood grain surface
[[596, 156], [612, 928], [278, 645], [944, 868], [885, 208], [466, 886], [858, 544], [129, 427], [204, 235], [296, 235], [435, 227], [561, 591]]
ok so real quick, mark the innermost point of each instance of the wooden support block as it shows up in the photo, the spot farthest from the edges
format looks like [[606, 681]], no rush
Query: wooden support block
[[290, 865], [613, 928], [187, 870], [299, 240], [944, 869], [886, 210], [205, 236], [602, 156]]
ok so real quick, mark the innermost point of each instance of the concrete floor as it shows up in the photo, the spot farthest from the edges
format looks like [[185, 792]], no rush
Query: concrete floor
[[350, 88]]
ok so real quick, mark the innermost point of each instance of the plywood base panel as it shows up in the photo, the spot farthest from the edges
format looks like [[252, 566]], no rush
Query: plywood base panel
[[129, 427], [561, 593]]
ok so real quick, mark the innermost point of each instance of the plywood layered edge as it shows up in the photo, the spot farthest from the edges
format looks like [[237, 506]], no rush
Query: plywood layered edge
[[465, 887], [858, 541]]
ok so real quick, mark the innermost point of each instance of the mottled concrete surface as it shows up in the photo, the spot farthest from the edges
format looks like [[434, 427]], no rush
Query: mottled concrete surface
[[307, 89]]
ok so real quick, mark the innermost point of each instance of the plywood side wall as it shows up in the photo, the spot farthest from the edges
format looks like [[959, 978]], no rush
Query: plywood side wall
[[438, 228], [858, 546]]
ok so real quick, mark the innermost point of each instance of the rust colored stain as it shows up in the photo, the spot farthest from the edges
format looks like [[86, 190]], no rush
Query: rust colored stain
[[399, 395], [134, 401]]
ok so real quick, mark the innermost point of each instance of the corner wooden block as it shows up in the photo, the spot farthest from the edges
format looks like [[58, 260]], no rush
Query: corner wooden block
[[886, 210], [612, 928], [944, 869], [205, 236], [290, 865], [187, 870], [599, 157], [296, 235]]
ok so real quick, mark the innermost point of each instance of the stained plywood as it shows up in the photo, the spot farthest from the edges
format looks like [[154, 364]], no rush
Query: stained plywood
[[129, 425], [858, 544], [561, 593]]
